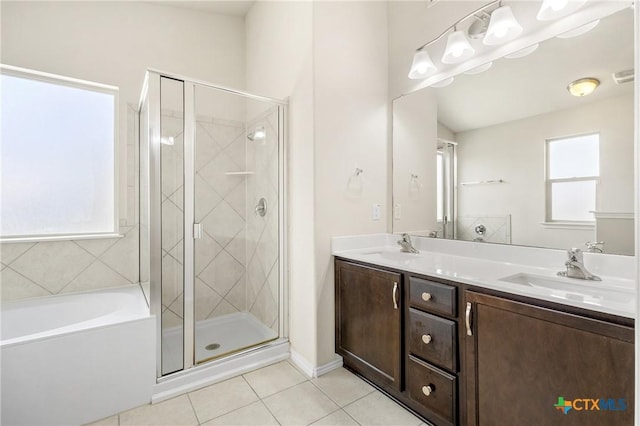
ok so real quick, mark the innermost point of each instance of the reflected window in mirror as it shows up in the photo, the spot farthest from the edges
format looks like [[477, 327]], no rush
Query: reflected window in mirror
[[572, 174]]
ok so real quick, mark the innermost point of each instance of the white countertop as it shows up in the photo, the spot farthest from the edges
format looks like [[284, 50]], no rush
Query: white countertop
[[487, 265]]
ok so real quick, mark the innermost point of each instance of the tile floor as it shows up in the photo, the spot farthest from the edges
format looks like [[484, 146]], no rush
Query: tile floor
[[275, 395]]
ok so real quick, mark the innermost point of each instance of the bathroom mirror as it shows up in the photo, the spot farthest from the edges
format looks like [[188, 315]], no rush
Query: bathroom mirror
[[483, 158]]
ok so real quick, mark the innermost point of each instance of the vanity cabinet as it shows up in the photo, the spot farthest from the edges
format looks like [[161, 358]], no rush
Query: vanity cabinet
[[432, 349], [521, 358], [457, 354], [369, 322]]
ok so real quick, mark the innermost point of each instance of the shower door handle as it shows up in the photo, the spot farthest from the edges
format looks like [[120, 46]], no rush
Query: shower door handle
[[197, 231]]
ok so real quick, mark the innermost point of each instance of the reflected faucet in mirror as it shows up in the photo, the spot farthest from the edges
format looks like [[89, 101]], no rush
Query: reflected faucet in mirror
[[575, 267], [407, 246]]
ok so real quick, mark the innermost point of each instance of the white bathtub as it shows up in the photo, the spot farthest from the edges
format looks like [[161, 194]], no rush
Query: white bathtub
[[73, 359]]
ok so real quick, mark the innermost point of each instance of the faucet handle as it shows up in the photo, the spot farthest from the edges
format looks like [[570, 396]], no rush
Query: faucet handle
[[406, 237], [575, 254]]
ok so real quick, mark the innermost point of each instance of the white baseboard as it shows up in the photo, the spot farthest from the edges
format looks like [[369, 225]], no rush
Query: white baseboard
[[310, 370]]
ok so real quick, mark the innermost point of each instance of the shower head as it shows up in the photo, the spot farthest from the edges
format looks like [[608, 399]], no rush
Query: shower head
[[257, 134]]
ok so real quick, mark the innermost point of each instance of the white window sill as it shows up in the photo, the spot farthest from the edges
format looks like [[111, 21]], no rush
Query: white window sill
[[569, 225], [40, 239]]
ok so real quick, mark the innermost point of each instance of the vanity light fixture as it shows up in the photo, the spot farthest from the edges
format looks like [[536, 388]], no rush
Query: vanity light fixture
[[503, 27], [458, 48], [443, 83], [580, 30], [422, 65], [478, 70], [583, 87], [495, 27], [554, 9], [523, 52]]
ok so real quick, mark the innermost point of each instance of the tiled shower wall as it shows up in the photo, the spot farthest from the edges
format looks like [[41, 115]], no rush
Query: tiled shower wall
[[220, 207], [263, 232], [45, 268]]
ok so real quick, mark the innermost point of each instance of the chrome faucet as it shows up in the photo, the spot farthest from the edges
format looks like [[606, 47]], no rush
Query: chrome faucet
[[406, 245], [575, 267]]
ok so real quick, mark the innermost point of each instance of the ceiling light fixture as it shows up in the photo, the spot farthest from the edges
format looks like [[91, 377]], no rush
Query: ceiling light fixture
[[583, 87], [554, 9]]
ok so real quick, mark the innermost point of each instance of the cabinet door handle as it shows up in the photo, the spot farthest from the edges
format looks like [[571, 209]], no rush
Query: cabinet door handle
[[428, 390], [426, 296], [426, 338], [467, 319], [394, 295]]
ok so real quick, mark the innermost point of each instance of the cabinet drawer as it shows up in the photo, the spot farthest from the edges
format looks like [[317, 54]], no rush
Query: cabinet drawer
[[434, 389], [433, 297], [433, 339]]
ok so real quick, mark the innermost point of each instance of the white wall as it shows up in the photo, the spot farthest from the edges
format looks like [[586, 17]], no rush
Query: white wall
[[515, 152], [316, 53], [115, 42], [112, 43], [279, 58], [351, 108]]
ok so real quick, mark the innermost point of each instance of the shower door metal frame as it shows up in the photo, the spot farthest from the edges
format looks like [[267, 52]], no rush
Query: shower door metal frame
[[151, 89]]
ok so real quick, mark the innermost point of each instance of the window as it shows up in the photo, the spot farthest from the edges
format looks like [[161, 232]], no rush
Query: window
[[572, 174], [58, 156]]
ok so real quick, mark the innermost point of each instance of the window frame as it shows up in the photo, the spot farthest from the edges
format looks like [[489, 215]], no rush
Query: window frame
[[85, 85], [549, 221]]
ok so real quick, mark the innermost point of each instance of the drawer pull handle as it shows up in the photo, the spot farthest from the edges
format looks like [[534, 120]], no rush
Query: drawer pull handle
[[426, 296], [467, 319], [426, 338], [394, 295], [428, 390]]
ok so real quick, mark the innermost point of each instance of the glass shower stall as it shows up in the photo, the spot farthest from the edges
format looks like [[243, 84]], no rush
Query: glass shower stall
[[211, 209]]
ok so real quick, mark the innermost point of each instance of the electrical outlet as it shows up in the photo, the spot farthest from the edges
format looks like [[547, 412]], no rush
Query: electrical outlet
[[397, 214], [375, 212]]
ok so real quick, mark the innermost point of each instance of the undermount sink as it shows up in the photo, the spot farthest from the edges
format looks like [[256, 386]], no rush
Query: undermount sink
[[564, 288], [394, 256]]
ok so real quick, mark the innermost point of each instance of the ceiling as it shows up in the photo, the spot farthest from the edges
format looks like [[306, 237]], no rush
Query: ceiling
[[516, 88], [237, 8]]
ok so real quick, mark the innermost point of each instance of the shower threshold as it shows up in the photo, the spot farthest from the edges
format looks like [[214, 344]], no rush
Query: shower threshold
[[215, 338]]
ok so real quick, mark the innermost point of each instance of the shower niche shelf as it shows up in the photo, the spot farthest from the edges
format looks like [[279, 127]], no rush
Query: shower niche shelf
[[246, 173]]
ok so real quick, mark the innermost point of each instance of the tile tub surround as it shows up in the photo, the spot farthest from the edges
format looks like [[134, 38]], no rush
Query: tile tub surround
[[277, 394], [484, 265]]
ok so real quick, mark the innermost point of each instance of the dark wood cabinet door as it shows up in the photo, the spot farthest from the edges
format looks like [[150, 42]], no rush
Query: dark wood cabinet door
[[368, 322], [527, 365]]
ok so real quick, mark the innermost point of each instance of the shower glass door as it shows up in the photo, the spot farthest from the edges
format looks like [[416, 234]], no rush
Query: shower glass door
[[212, 228], [237, 223]]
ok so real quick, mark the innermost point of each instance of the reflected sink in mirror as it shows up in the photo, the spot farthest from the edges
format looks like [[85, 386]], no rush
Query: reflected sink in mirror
[[567, 288]]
